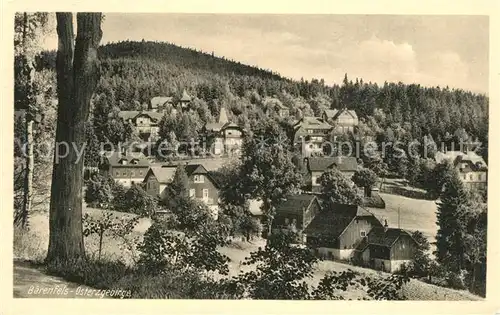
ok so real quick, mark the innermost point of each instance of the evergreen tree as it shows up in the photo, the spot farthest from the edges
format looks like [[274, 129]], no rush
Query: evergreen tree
[[450, 237]]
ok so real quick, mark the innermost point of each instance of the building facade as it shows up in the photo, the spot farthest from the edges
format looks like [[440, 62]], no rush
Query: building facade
[[337, 230], [472, 168], [295, 214], [316, 166], [145, 123], [387, 249], [126, 169], [200, 184], [310, 134], [223, 136]]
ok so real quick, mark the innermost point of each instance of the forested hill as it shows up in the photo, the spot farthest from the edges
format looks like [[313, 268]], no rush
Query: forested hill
[[134, 72], [184, 57]]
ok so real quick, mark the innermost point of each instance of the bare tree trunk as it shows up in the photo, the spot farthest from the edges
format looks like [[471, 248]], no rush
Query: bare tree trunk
[[77, 77], [30, 99], [28, 175]]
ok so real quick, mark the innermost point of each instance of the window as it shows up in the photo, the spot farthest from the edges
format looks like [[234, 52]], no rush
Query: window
[[310, 131], [198, 179], [287, 221], [191, 193], [140, 173], [131, 173], [117, 173], [471, 177], [124, 173], [362, 233], [205, 193]]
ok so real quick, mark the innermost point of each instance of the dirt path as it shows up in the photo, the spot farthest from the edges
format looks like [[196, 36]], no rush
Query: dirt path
[[31, 282]]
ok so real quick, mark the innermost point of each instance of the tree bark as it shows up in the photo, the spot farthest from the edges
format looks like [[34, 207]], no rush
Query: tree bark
[[29, 117], [77, 76]]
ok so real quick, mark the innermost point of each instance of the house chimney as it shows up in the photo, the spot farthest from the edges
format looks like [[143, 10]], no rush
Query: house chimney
[[385, 226]]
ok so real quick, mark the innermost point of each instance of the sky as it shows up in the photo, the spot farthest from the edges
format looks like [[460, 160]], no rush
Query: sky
[[428, 49]]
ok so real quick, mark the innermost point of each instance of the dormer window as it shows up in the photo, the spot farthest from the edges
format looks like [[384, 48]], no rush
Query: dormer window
[[134, 162], [199, 179], [123, 162]]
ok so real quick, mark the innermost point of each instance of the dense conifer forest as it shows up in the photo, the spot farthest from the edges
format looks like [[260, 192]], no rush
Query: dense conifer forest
[[135, 72]]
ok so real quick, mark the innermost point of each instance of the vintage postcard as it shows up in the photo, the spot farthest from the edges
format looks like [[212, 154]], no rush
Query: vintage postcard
[[246, 155]]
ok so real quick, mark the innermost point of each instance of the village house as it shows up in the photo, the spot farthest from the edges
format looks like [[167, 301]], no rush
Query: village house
[[145, 123], [125, 168], [162, 103], [386, 249], [337, 230], [159, 103], [344, 120], [471, 167], [274, 106], [310, 133], [316, 166], [185, 101], [295, 213], [223, 136], [201, 185]]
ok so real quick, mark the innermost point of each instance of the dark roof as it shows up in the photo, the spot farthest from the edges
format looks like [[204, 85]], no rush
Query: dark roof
[[192, 169], [132, 114], [309, 122], [165, 173], [333, 221], [382, 237], [342, 163], [216, 127], [296, 204], [473, 163], [115, 159]]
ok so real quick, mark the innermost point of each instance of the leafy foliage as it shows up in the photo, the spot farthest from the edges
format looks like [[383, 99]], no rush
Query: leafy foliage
[[139, 201], [99, 191], [336, 188]]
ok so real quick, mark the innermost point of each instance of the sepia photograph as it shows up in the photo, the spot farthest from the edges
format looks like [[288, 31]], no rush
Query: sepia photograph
[[250, 156]]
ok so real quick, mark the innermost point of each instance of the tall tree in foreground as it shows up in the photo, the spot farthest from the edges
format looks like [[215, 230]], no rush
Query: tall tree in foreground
[[77, 68], [451, 235]]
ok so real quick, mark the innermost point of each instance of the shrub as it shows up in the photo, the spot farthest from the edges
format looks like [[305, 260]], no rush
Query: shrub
[[456, 280], [99, 191], [96, 274], [138, 201]]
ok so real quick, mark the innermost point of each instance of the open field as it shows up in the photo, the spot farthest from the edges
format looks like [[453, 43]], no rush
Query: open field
[[414, 214]]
